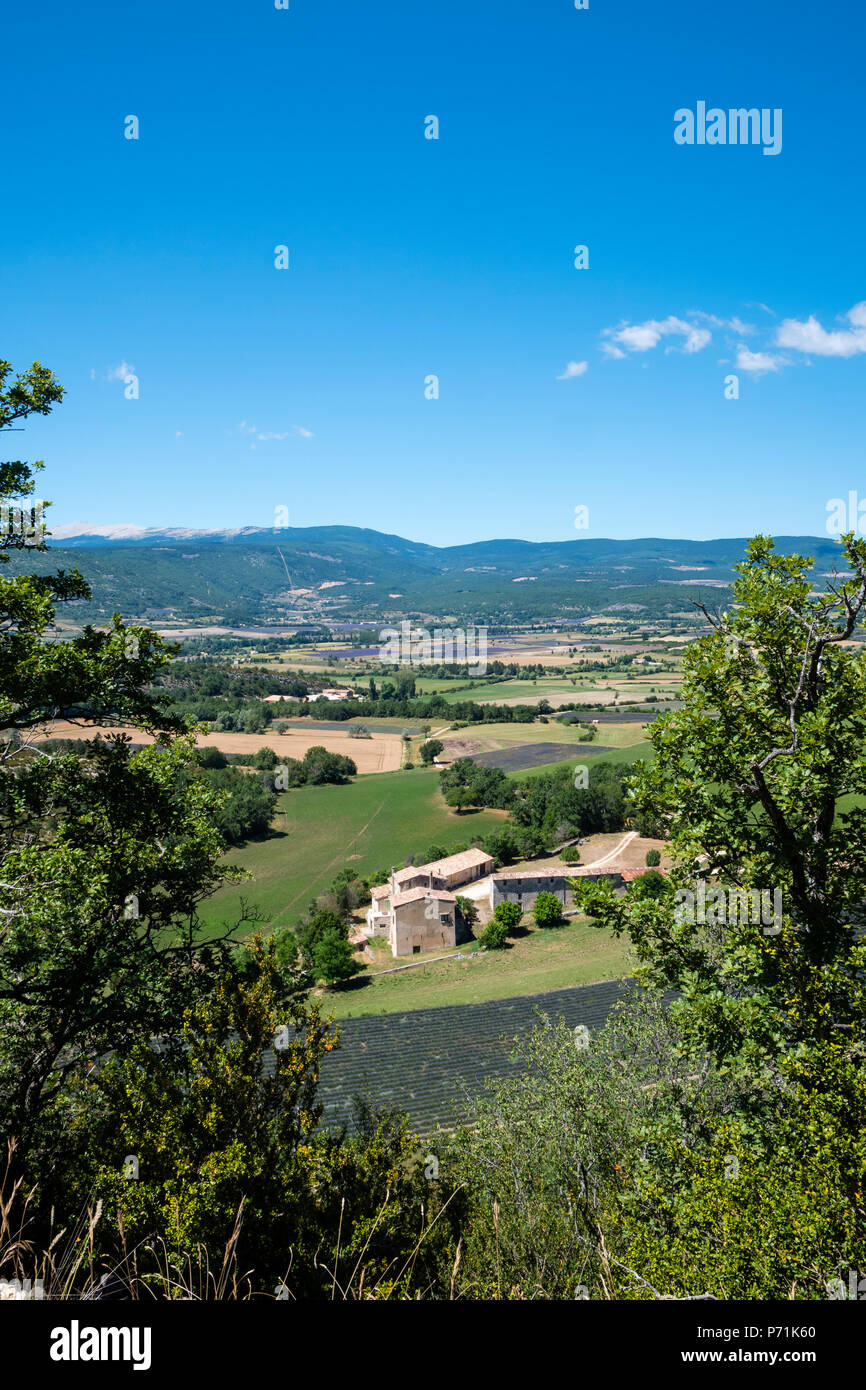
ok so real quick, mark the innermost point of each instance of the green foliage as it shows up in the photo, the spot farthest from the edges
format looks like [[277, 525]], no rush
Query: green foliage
[[431, 749], [318, 922], [211, 757], [481, 786], [333, 957], [265, 759], [248, 803], [653, 858], [215, 1132], [570, 855], [468, 910], [106, 853], [557, 810], [509, 913], [651, 884], [547, 910], [495, 934], [506, 917]]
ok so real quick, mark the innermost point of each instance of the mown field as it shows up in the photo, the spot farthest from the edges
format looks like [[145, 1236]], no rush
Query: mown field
[[574, 954], [375, 821], [507, 735]]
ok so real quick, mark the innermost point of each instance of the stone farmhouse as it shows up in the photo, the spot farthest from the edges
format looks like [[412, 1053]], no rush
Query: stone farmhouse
[[319, 695], [524, 888], [417, 908]]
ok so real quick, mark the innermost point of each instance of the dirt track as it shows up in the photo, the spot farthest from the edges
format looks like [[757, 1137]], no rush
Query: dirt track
[[381, 753]]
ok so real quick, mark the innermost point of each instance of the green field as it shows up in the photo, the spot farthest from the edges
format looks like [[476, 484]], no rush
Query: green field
[[526, 690], [555, 688], [373, 822], [619, 755], [573, 954], [624, 735]]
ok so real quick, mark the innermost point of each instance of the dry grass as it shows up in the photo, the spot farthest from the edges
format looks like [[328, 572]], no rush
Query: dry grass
[[380, 753]]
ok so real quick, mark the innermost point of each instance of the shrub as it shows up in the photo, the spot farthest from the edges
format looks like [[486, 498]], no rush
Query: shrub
[[334, 958], [653, 858], [651, 884], [570, 855], [510, 914], [265, 759], [494, 935], [211, 757], [547, 911]]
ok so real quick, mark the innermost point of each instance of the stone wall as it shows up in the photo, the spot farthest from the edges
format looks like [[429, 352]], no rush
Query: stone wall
[[525, 888], [411, 930]]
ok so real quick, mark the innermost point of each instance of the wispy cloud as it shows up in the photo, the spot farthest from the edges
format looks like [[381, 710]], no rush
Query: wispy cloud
[[811, 337], [265, 436], [693, 333], [735, 324], [758, 362], [120, 372], [572, 370], [641, 337]]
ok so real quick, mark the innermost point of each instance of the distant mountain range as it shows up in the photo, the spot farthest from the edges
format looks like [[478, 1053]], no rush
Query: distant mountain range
[[331, 573]]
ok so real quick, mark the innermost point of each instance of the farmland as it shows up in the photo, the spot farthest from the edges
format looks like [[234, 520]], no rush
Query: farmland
[[534, 961], [381, 753], [374, 822]]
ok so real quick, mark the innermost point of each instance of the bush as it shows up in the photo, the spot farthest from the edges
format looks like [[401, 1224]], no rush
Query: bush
[[510, 914], [211, 757], [431, 749], [547, 911], [265, 759], [570, 855], [494, 935], [248, 808], [653, 858], [334, 958], [651, 884]]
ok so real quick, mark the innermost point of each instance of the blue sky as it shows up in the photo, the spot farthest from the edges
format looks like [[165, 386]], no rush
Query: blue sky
[[304, 388]]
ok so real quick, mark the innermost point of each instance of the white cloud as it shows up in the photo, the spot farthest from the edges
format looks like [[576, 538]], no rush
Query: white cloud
[[611, 350], [736, 324], [264, 436], [812, 337], [640, 337], [758, 362], [573, 369], [120, 372]]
